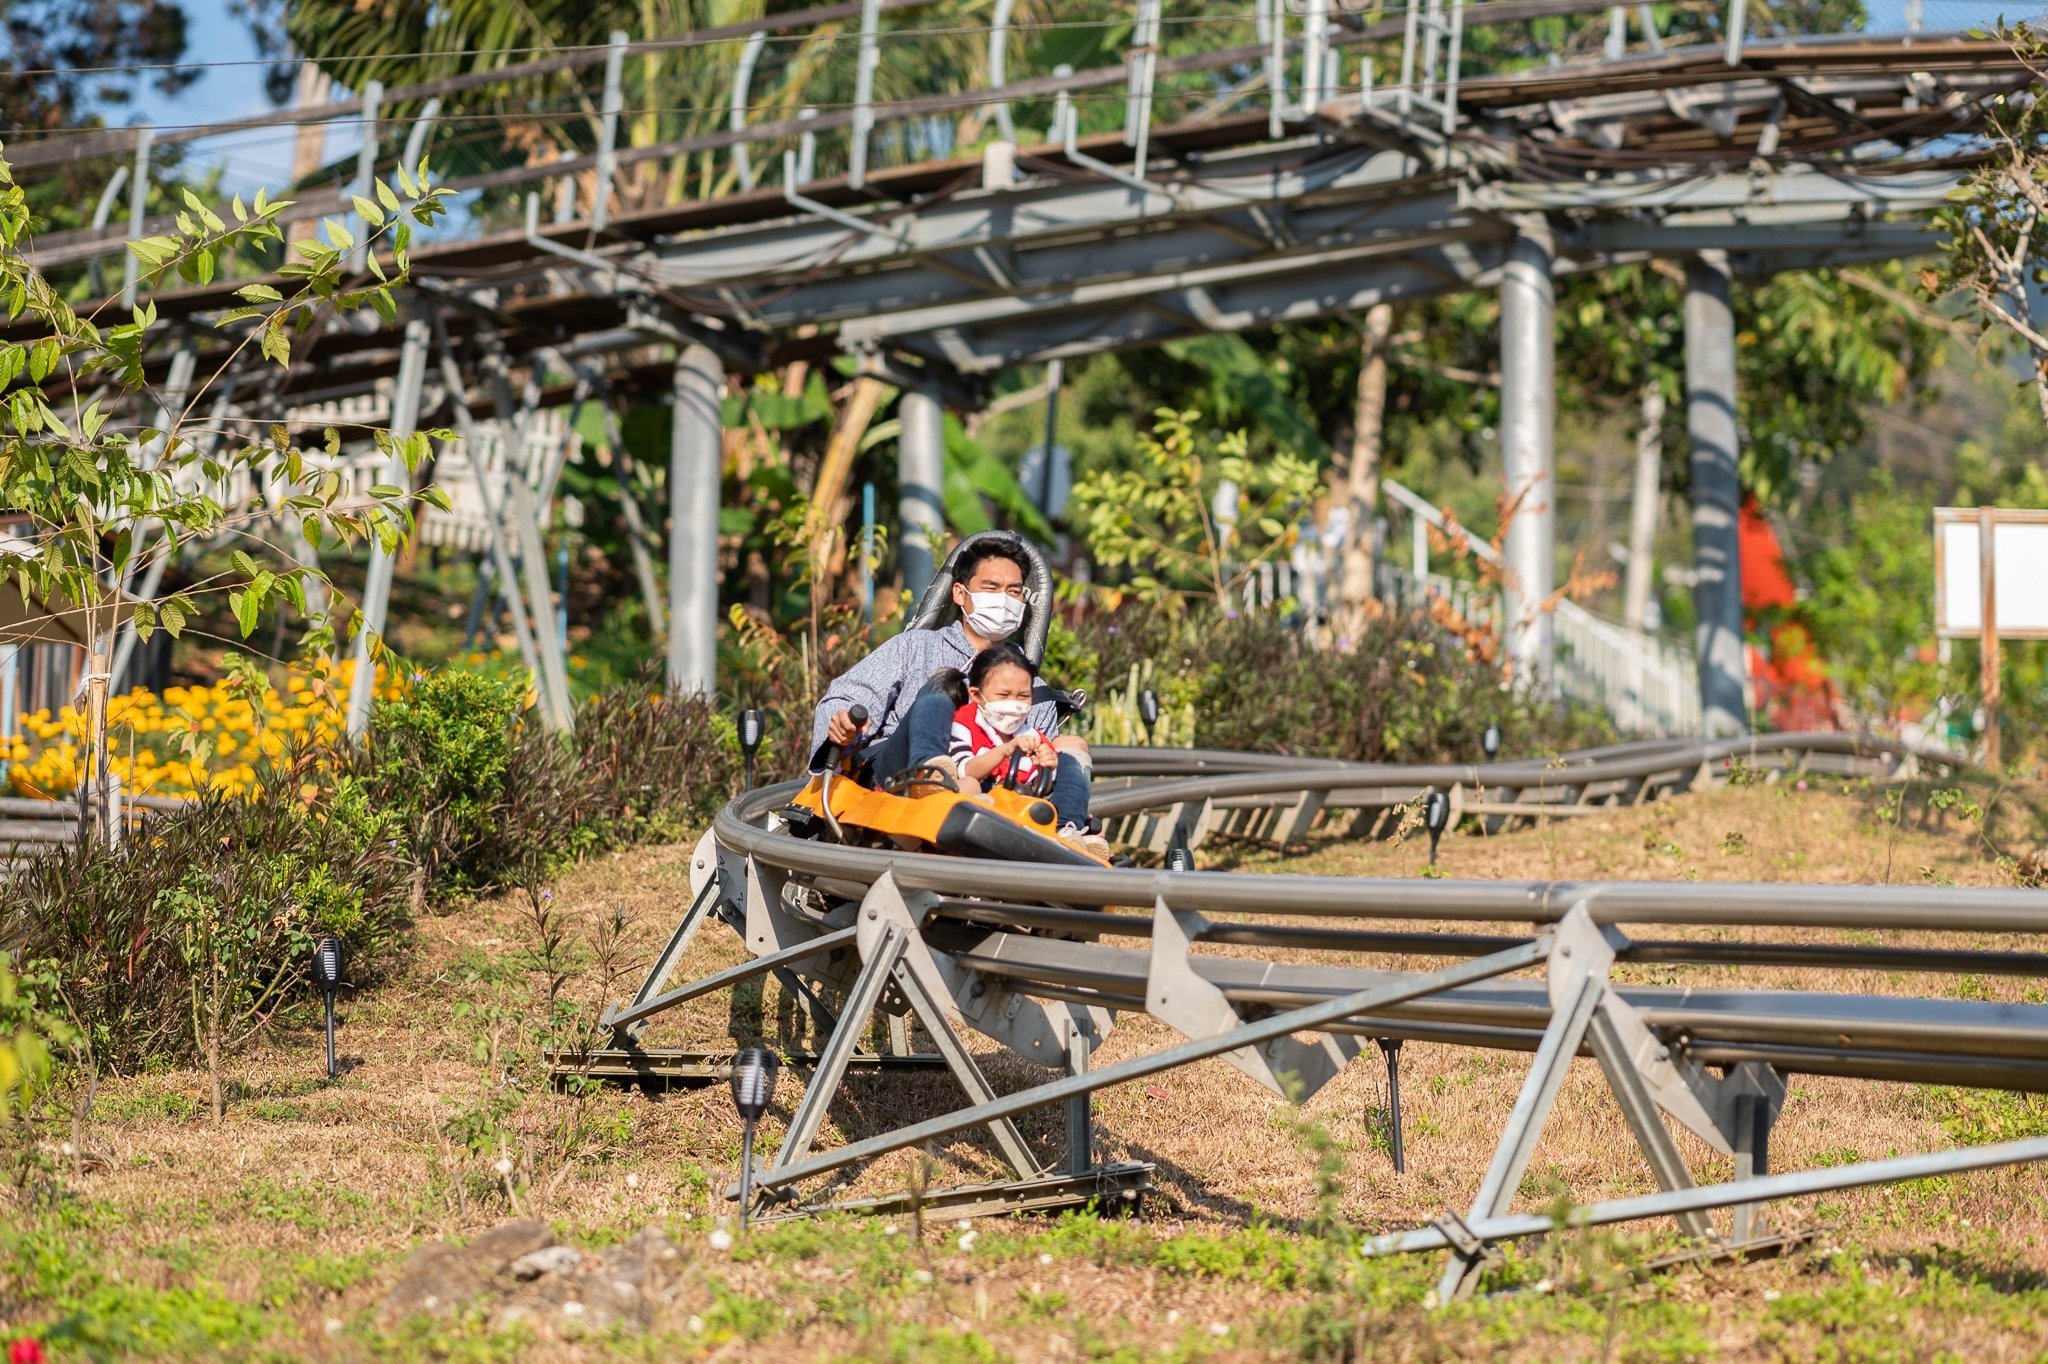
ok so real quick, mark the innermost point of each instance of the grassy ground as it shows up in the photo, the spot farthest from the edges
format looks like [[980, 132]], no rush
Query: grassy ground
[[277, 1233]]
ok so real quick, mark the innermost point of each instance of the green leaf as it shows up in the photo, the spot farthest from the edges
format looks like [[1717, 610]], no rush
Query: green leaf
[[244, 607], [144, 621], [172, 612], [245, 565], [386, 197], [437, 499], [277, 346], [259, 293], [372, 215]]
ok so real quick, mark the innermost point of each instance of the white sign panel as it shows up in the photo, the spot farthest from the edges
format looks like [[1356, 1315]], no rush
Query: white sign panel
[[2019, 542]]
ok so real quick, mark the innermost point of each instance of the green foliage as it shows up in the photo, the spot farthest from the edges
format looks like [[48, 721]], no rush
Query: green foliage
[[1997, 219], [205, 920], [440, 760], [1159, 522], [102, 495], [1404, 691], [1870, 603]]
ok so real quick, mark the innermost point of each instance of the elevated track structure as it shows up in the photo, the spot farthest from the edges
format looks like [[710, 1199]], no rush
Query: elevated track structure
[[1310, 163], [1042, 960]]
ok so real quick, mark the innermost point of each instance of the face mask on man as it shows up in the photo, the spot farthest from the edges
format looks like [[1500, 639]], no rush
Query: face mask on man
[[994, 616], [1005, 717]]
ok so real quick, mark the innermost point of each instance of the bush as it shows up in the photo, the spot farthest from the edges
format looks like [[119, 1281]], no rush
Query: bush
[[484, 797], [659, 765], [441, 760], [1406, 691], [211, 909]]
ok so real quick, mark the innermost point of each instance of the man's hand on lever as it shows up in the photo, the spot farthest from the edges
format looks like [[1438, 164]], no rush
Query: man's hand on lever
[[845, 726]]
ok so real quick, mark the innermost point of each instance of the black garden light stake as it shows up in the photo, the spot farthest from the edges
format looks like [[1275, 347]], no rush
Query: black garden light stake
[[1490, 741], [330, 958], [1390, 1047], [753, 1087], [752, 724], [1179, 857], [1148, 711], [1436, 817]]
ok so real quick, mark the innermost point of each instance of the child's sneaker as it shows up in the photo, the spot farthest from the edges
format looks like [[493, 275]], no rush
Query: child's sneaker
[[932, 775], [1081, 841]]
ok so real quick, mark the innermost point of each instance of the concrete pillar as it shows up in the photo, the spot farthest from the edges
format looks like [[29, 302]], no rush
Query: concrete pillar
[[921, 470], [1716, 494], [696, 458], [1528, 409]]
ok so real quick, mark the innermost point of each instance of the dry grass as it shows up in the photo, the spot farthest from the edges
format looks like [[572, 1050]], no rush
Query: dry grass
[[295, 1212]]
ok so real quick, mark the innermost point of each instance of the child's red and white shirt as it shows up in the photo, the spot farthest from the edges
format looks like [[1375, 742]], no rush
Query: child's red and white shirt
[[972, 735]]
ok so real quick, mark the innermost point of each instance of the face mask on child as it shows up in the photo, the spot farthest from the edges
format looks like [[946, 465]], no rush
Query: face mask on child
[[1005, 717], [994, 616]]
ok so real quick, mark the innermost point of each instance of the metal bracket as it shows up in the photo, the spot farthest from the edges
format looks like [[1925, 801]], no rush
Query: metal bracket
[[1679, 1086], [804, 204], [1195, 1008]]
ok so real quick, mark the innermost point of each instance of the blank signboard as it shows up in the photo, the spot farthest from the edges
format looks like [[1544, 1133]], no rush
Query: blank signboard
[[2019, 540]]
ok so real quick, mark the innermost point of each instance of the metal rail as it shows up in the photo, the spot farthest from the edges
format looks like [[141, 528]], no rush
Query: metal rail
[[1040, 959]]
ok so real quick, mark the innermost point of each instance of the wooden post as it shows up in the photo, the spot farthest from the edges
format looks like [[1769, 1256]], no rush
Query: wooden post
[[1987, 652]]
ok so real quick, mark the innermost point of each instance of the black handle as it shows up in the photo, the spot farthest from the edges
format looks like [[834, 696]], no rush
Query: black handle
[[829, 753]]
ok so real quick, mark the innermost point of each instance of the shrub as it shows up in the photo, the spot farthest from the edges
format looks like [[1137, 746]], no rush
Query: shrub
[[659, 764], [1405, 691], [216, 904], [441, 760]]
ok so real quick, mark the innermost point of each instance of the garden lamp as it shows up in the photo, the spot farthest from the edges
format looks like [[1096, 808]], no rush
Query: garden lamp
[[1436, 817], [1390, 1047], [1179, 856], [329, 960], [752, 723], [1148, 710], [754, 1072], [1490, 741]]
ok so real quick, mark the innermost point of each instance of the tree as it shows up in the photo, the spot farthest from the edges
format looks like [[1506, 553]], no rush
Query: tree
[[108, 488], [1198, 517], [68, 63], [1997, 221]]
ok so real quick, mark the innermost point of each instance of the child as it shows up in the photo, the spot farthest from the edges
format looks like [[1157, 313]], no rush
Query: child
[[990, 743]]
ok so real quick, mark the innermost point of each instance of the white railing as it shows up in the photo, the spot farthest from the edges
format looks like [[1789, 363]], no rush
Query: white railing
[[1648, 686]]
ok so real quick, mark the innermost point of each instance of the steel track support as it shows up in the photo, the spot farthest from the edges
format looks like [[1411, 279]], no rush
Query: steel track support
[[1528, 407], [523, 514], [1640, 1109], [1080, 1124], [1573, 999], [405, 411], [876, 973], [929, 1011], [696, 460], [1309, 1018], [502, 554], [1716, 495]]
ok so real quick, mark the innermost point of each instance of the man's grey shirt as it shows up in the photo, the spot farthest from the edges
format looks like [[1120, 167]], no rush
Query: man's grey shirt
[[888, 680]]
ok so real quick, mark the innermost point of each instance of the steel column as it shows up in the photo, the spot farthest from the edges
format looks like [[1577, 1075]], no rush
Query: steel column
[[1528, 405], [696, 459], [405, 410], [1716, 495], [921, 470]]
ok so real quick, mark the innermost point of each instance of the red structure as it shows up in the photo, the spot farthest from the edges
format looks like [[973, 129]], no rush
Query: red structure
[[1791, 689]]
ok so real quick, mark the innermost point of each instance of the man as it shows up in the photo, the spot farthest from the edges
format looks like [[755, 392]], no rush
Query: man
[[910, 725]]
